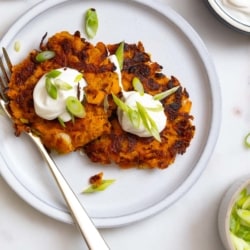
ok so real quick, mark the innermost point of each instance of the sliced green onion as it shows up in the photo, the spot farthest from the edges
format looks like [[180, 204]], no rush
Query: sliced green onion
[[120, 54], [78, 78], [148, 122], [60, 84], [93, 188], [61, 122], [244, 215], [247, 140], [91, 22], [120, 103], [155, 109], [138, 85], [166, 93], [134, 117], [53, 73], [45, 55], [246, 204], [75, 107], [17, 46], [51, 88]]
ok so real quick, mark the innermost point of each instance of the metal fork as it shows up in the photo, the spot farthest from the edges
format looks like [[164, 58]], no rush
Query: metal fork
[[81, 219]]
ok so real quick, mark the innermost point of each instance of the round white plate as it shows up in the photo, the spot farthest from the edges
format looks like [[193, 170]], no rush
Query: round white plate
[[136, 194]]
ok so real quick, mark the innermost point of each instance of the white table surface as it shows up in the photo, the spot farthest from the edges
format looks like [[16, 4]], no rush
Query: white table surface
[[191, 223]]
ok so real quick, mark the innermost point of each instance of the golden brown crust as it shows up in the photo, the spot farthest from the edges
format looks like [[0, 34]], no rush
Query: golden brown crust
[[99, 132], [71, 51]]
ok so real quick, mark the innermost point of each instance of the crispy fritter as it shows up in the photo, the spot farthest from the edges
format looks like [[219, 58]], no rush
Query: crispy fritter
[[99, 132], [74, 52], [128, 150]]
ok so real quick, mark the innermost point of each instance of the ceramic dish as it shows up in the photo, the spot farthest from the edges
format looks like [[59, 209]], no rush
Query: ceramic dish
[[232, 13], [136, 193], [225, 209]]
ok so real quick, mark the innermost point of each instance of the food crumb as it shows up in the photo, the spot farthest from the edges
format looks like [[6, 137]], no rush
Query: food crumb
[[96, 180]]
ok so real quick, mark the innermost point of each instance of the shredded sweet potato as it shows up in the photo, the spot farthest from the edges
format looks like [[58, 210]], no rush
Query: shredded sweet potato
[[74, 52], [99, 132]]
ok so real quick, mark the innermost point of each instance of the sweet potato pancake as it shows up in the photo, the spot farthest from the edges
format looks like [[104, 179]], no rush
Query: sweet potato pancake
[[128, 150], [74, 52], [99, 133]]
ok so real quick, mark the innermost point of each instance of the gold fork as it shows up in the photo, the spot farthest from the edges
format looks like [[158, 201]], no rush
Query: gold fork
[[81, 219]]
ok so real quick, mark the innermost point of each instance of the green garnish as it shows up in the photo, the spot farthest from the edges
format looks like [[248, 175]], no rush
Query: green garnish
[[61, 122], [91, 22], [120, 104], [97, 188], [247, 140], [60, 84], [148, 122], [53, 73], [159, 108], [17, 46], [240, 221], [45, 55], [166, 93], [78, 78], [75, 107], [50, 88], [138, 85], [120, 54]]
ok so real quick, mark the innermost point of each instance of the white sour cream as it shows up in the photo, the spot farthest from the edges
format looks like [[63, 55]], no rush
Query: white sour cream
[[49, 108], [147, 101], [239, 5], [240, 9], [153, 107]]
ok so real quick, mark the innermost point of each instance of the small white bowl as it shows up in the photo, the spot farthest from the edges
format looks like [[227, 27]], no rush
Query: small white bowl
[[232, 17], [225, 209]]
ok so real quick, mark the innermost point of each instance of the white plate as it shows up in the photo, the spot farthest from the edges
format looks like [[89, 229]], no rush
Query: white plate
[[136, 194]]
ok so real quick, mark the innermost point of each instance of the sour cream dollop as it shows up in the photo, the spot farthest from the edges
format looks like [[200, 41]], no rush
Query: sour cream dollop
[[49, 108], [153, 107], [240, 5], [240, 9]]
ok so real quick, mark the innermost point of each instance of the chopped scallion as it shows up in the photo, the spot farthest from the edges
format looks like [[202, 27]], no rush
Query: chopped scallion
[[93, 188], [138, 85], [75, 107], [120, 54], [247, 140], [91, 22], [17, 46], [53, 73], [60, 84], [51, 88], [148, 122], [61, 122], [45, 55], [78, 78], [166, 93]]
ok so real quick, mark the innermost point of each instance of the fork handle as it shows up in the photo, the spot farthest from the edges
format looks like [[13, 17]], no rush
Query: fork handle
[[89, 232]]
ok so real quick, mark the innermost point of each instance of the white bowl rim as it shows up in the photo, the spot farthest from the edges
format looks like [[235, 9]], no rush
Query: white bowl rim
[[228, 18]]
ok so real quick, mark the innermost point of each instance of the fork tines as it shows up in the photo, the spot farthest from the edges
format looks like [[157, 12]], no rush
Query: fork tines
[[5, 73]]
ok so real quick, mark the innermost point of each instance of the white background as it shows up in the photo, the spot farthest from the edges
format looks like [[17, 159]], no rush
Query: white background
[[191, 223]]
